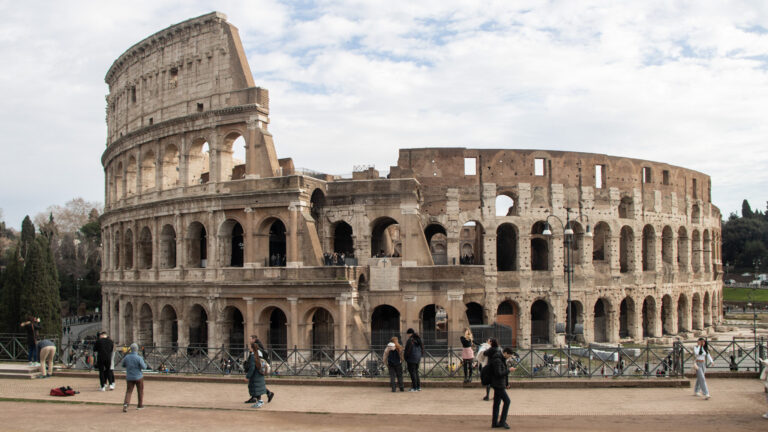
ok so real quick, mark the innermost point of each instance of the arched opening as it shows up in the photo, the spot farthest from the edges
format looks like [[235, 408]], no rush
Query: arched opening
[[232, 244], [128, 249], [167, 247], [471, 240], [707, 310], [169, 328], [197, 245], [198, 330], [506, 247], [232, 157], [695, 214], [199, 162], [116, 250], [233, 330], [277, 333], [600, 318], [626, 250], [130, 177], [145, 326], [626, 317], [277, 253], [667, 246], [540, 322], [438, 243], [682, 249], [385, 323], [170, 166], [667, 322], [682, 314], [601, 246], [696, 251], [342, 239], [148, 165], [539, 247], [385, 238], [316, 205], [145, 248], [507, 323], [505, 205], [626, 208], [649, 248], [474, 314], [574, 316], [434, 325], [649, 317], [322, 333], [128, 324], [707, 252], [697, 312], [118, 176], [362, 283]]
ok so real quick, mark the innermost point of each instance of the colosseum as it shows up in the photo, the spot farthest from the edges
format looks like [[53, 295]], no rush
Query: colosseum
[[208, 236]]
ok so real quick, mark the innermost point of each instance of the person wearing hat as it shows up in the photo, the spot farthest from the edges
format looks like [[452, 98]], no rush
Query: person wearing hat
[[133, 364], [414, 348]]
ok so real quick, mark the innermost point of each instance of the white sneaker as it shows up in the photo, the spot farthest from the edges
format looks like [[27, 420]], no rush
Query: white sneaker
[[706, 397], [765, 416], [103, 388], [112, 386]]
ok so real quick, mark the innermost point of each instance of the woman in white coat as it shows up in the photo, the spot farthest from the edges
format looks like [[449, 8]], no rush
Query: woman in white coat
[[702, 359]]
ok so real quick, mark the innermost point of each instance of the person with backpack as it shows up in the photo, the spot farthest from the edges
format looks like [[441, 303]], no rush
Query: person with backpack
[[499, 380], [482, 360], [262, 353], [414, 348], [255, 377], [393, 355]]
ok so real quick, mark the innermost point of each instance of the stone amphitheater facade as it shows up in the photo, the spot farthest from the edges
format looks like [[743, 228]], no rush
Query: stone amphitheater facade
[[201, 248]]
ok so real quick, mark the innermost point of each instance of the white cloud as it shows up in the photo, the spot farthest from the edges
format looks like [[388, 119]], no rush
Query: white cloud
[[353, 81]]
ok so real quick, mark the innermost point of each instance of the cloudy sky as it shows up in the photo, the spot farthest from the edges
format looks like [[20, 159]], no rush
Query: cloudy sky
[[683, 82]]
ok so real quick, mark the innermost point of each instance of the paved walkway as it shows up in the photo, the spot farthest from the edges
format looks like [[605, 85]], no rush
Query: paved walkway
[[732, 399]]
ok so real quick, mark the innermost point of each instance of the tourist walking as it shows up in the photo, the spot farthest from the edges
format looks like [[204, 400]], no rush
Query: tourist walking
[[255, 377], [103, 349], [499, 382], [414, 348], [133, 364], [467, 355], [482, 360], [47, 351], [393, 355], [262, 353], [702, 360], [32, 325]]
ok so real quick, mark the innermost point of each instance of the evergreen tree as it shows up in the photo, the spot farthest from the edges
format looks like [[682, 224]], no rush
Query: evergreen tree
[[40, 292], [746, 210], [27, 235], [10, 318]]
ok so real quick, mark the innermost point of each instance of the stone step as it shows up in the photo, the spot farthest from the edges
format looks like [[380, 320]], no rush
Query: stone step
[[15, 375]]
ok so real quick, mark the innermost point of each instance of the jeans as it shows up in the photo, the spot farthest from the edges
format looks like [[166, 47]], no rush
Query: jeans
[[32, 354], [396, 371], [701, 381], [413, 371], [499, 395]]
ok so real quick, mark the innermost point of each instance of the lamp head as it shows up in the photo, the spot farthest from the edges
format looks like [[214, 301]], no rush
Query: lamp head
[[547, 231], [568, 231]]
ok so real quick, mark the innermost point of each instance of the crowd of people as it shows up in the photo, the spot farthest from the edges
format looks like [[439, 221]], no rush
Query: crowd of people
[[468, 259], [336, 258], [277, 260]]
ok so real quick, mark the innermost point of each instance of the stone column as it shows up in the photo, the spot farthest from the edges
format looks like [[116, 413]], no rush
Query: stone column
[[294, 259], [183, 161], [249, 252], [118, 336], [524, 332], [158, 167], [410, 316], [343, 300], [453, 229], [181, 251], [455, 310], [183, 328], [294, 324], [214, 339], [250, 317], [135, 251], [105, 311], [635, 320]]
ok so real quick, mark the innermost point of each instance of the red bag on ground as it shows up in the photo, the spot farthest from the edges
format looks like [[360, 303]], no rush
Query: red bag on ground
[[63, 391]]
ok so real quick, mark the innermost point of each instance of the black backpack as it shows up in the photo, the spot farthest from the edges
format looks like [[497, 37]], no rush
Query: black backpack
[[393, 358], [486, 374]]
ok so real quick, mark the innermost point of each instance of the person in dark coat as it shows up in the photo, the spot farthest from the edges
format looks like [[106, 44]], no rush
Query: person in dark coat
[[499, 382], [32, 325], [414, 348], [262, 353], [103, 348], [256, 384]]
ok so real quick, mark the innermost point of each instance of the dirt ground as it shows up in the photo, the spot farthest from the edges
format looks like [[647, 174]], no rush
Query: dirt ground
[[736, 405]]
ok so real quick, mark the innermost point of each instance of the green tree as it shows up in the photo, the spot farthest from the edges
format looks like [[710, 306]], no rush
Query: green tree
[[40, 292], [11, 280], [27, 234]]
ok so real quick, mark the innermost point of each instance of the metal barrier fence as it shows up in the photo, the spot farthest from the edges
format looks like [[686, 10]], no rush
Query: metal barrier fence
[[439, 362]]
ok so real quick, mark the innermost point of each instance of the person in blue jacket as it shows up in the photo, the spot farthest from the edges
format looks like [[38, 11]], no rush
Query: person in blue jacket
[[133, 364]]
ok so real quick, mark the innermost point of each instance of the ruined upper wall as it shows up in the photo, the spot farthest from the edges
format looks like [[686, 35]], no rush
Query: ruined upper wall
[[194, 66]]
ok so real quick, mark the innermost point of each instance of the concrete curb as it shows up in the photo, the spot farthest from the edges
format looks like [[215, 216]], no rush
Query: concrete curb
[[542, 383]]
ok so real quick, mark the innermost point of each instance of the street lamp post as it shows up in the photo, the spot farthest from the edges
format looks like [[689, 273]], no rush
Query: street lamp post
[[757, 264], [568, 267], [77, 306]]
